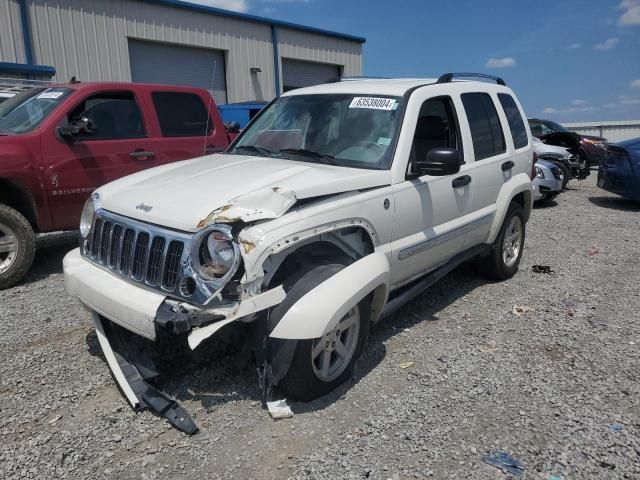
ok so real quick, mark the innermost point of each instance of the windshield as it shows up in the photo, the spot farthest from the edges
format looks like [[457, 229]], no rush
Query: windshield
[[556, 127], [342, 129], [25, 111]]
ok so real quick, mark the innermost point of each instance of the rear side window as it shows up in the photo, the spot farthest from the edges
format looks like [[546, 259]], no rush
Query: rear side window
[[486, 131], [182, 114], [514, 118]]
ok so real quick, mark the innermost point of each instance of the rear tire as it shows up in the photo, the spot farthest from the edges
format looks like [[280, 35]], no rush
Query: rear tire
[[17, 246], [307, 377], [506, 252]]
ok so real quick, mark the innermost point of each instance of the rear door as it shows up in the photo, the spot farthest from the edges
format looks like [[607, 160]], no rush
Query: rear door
[[189, 125], [118, 145]]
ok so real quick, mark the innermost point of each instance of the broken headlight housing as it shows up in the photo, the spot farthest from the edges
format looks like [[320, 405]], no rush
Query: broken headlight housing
[[214, 258]]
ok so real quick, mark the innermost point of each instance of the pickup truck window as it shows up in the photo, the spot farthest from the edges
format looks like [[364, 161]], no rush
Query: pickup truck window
[[346, 130], [514, 118], [182, 114], [25, 111], [486, 131], [113, 115]]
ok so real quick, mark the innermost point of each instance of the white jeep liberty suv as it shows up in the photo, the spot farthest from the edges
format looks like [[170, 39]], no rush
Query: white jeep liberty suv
[[336, 205]]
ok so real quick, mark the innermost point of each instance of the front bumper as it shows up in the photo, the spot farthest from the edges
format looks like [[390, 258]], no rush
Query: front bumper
[[127, 305], [545, 187]]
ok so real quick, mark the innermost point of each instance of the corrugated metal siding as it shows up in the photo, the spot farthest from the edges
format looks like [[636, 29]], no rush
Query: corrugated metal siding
[[154, 62], [615, 131], [317, 48], [88, 39], [11, 42]]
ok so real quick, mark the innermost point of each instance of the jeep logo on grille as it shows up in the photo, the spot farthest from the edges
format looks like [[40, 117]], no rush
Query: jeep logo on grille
[[144, 208]]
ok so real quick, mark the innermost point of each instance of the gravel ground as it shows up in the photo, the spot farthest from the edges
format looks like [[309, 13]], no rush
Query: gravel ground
[[556, 387]]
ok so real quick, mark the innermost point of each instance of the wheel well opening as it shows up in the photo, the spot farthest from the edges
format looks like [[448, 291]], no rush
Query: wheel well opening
[[14, 197]]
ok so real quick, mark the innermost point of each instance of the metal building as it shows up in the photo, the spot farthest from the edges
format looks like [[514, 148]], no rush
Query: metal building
[[237, 57], [613, 131]]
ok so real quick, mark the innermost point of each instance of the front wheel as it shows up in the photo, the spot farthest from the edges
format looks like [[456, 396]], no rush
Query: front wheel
[[565, 172], [506, 252], [320, 365], [17, 246]]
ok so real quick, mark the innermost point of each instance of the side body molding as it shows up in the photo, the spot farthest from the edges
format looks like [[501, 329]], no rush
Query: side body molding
[[321, 309]]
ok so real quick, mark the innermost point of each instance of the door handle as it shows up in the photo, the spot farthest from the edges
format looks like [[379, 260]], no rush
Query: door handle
[[507, 165], [461, 181], [141, 154]]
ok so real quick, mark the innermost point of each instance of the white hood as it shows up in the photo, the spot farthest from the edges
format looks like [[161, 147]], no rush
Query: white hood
[[541, 148], [188, 195]]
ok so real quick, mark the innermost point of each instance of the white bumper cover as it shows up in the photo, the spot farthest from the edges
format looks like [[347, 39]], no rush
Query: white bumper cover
[[129, 306]]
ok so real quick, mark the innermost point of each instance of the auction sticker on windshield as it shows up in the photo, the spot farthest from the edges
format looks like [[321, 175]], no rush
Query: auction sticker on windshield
[[51, 94], [374, 103]]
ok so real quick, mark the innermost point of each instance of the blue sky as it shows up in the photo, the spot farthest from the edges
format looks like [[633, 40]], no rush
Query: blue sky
[[567, 60]]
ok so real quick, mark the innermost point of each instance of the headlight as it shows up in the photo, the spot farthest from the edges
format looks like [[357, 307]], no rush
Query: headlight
[[215, 254], [86, 219], [539, 173]]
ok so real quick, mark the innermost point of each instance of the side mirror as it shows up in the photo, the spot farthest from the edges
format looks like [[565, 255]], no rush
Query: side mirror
[[439, 162], [232, 127], [81, 125]]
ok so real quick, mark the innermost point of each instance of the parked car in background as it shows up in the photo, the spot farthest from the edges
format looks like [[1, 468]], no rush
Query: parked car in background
[[548, 181], [589, 148], [334, 207], [59, 142], [568, 163], [619, 172]]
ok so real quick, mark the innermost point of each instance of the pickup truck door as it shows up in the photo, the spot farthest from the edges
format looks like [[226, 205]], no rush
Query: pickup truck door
[[431, 212], [189, 125], [117, 145]]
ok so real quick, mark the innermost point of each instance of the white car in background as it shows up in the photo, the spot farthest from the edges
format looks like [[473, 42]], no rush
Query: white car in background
[[570, 164]]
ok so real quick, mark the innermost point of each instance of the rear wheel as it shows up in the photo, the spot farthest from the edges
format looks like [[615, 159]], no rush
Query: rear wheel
[[17, 246], [320, 365], [506, 252]]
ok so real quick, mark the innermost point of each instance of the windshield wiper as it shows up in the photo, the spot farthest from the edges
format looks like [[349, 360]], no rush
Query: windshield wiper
[[255, 149], [312, 154]]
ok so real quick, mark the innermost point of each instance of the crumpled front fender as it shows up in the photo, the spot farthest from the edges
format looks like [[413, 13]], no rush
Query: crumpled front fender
[[320, 310]]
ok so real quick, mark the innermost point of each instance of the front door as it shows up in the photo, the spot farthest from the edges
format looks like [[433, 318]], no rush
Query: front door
[[116, 145], [430, 211]]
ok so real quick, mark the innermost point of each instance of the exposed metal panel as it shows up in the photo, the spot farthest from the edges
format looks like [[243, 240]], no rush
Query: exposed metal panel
[[156, 62], [316, 48], [11, 41], [613, 131], [297, 74]]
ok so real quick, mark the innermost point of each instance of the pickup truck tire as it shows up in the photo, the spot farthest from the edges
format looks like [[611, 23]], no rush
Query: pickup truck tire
[[16, 256], [307, 377], [506, 252]]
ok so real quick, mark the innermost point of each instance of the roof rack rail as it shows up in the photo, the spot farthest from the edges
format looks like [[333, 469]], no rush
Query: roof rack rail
[[361, 77], [447, 77]]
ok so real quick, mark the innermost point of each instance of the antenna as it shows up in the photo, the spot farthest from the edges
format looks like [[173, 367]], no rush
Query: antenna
[[211, 100]]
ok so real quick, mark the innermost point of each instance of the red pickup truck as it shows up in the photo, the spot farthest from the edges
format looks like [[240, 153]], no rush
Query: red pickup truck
[[59, 142]]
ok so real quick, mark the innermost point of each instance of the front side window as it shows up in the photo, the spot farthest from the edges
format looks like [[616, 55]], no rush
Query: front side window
[[514, 119], [113, 116], [341, 129], [182, 114], [486, 131], [26, 110]]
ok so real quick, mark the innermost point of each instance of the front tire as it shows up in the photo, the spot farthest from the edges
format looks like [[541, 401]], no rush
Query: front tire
[[565, 171], [506, 252], [322, 364], [17, 246]]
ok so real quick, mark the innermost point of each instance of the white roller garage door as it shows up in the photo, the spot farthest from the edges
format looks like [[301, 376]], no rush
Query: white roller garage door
[[154, 62], [297, 74]]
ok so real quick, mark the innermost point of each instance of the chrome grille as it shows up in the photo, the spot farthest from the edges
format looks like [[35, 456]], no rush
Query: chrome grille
[[140, 252]]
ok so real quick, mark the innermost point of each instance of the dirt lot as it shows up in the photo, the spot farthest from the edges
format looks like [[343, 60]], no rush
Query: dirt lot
[[556, 387]]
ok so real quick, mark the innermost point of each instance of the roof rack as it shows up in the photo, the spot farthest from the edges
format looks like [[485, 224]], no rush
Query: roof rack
[[448, 77], [361, 77]]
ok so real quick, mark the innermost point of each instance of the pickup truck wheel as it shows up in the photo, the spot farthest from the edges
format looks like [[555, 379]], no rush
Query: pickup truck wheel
[[319, 365], [17, 246], [504, 258]]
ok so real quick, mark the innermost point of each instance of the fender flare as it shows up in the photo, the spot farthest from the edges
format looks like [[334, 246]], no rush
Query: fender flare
[[320, 309], [520, 183]]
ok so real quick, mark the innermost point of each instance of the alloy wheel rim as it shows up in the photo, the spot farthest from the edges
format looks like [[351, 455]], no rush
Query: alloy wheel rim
[[8, 247], [512, 242], [331, 353]]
